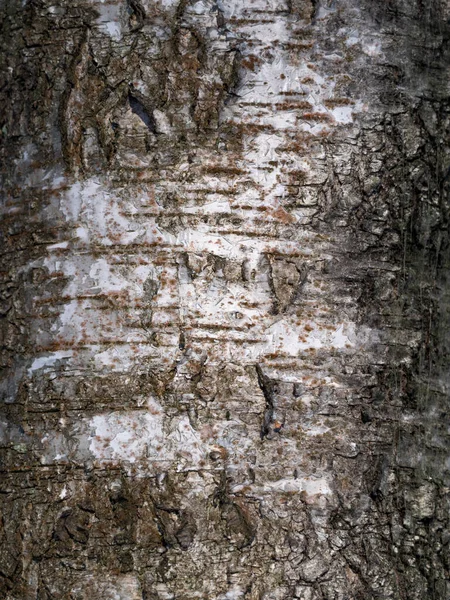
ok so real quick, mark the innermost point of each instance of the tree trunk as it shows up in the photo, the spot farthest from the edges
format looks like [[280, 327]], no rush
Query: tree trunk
[[225, 299]]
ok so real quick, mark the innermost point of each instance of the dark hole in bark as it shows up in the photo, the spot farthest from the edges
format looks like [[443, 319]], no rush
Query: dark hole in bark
[[139, 110]]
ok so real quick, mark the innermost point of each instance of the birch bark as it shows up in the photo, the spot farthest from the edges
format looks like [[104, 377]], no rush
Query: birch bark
[[225, 300]]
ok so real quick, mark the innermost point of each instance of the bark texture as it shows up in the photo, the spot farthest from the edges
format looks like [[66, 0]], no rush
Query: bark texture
[[225, 300]]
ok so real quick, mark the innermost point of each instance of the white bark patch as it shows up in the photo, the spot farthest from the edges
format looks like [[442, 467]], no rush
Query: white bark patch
[[48, 361], [141, 435], [212, 264], [109, 587], [312, 486], [110, 17]]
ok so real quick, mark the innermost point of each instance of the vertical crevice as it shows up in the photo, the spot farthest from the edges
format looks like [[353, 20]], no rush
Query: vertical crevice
[[267, 387], [137, 14], [139, 109]]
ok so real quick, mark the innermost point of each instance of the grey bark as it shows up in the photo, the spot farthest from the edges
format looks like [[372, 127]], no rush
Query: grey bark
[[224, 300]]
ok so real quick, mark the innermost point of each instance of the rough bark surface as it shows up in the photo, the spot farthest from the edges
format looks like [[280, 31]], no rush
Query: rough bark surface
[[225, 299]]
